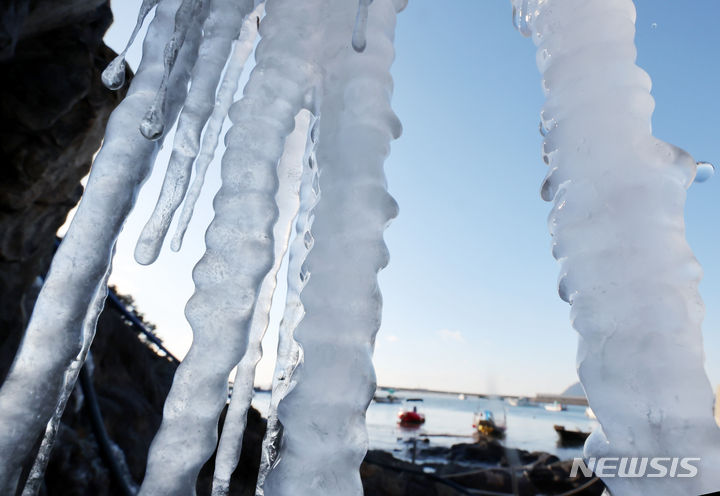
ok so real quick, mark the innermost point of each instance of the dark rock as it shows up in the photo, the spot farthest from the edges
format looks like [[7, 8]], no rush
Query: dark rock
[[53, 111], [485, 450]]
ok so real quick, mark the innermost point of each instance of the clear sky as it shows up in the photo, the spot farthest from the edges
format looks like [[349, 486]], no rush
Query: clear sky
[[470, 300]]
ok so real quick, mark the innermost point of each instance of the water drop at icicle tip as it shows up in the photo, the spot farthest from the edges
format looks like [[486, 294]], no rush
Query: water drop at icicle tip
[[705, 171], [152, 126], [521, 17], [113, 77]]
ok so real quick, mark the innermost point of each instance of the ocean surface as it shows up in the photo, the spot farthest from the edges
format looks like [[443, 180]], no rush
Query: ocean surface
[[448, 421]]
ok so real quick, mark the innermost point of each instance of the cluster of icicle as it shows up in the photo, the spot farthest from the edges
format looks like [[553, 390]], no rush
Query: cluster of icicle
[[315, 113], [618, 232]]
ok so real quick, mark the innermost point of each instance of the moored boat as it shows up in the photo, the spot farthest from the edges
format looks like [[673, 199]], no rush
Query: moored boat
[[520, 401], [570, 437], [555, 407], [410, 416], [487, 424]]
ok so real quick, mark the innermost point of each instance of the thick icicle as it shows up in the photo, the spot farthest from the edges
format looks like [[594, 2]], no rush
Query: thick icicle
[[54, 335], [619, 234], [113, 76], [242, 50], [359, 35], [287, 197], [324, 437], [37, 472], [239, 244], [219, 31], [189, 16], [288, 350]]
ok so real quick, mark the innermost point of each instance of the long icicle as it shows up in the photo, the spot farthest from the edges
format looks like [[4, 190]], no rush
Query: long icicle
[[37, 472], [53, 338], [324, 437], [239, 245], [243, 48], [618, 231], [220, 29], [289, 353], [287, 199], [189, 14]]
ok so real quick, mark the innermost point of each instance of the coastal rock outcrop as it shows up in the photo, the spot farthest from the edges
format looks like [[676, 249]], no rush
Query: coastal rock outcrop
[[53, 110]]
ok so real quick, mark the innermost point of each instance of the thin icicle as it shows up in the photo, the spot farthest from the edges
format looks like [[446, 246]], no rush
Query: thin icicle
[[189, 15], [359, 35], [37, 472], [288, 351], [239, 244], [287, 198], [324, 437], [220, 29], [113, 77], [53, 338], [242, 50]]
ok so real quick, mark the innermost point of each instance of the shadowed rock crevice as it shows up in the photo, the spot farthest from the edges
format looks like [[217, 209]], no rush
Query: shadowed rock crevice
[[53, 111]]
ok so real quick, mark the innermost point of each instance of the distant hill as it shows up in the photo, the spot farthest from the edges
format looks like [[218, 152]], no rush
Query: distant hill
[[574, 390]]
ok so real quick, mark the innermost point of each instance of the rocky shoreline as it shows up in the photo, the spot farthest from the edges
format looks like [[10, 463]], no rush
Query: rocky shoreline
[[483, 467]]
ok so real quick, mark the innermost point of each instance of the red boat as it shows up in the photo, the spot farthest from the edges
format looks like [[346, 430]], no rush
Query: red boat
[[411, 417]]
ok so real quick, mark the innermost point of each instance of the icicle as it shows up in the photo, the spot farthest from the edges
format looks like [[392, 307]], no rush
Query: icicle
[[618, 232], [359, 35], [54, 335], [113, 77], [324, 438], [288, 351], [189, 14], [243, 48], [220, 29], [37, 472], [287, 197], [239, 244]]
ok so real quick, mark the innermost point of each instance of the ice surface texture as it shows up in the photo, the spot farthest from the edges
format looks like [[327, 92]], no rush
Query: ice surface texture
[[323, 417], [54, 335], [221, 28], [240, 247], [619, 234], [287, 199]]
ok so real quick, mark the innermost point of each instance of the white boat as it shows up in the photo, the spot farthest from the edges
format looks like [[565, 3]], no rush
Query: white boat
[[555, 407], [461, 397], [590, 414], [521, 401]]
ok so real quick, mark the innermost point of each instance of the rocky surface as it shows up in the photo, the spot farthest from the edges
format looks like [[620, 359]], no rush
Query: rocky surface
[[480, 466], [53, 111]]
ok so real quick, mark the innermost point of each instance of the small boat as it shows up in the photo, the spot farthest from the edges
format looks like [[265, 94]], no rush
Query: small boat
[[570, 437], [461, 397], [590, 414], [387, 398], [487, 425], [410, 416], [520, 401], [555, 407]]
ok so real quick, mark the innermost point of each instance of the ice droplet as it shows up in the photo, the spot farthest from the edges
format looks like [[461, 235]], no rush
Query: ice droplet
[[359, 36], [113, 77], [705, 170]]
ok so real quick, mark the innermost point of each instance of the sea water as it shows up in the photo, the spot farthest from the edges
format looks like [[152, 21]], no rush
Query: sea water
[[448, 421]]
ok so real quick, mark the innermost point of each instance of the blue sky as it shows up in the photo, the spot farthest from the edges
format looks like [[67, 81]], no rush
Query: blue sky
[[470, 300]]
